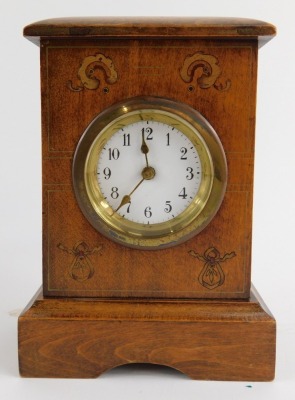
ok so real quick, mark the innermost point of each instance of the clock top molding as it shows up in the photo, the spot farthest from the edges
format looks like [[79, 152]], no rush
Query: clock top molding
[[151, 27]]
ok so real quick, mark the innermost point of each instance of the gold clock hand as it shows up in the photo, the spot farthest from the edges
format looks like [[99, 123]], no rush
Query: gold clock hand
[[147, 174], [127, 198], [144, 149]]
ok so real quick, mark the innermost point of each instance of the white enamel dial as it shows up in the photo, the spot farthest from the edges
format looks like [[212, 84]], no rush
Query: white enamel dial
[[149, 173], [172, 160]]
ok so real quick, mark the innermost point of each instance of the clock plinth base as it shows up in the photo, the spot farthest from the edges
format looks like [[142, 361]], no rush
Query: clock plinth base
[[206, 340]]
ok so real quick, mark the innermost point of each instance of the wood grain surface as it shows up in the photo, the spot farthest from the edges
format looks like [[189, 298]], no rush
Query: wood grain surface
[[157, 27], [220, 340], [146, 67]]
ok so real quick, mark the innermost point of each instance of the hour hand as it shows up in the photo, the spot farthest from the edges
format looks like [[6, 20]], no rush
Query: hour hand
[[144, 149]]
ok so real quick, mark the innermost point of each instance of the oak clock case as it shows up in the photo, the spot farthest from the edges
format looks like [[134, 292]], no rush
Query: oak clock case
[[149, 173], [148, 131]]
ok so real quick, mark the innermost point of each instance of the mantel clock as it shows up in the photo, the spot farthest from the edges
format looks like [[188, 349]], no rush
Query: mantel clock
[[148, 132]]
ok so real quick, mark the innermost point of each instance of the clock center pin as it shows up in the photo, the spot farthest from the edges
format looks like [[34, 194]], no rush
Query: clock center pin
[[148, 173]]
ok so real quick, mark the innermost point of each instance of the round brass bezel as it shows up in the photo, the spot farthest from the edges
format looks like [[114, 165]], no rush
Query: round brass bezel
[[185, 225]]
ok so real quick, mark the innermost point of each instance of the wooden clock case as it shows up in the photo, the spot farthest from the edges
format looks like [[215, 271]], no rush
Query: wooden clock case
[[102, 304]]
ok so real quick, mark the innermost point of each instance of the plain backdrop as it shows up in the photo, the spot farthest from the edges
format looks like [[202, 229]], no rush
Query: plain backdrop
[[20, 195]]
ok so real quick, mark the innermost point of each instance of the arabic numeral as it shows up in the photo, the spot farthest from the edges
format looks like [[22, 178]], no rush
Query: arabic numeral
[[190, 174], [149, 133], [126, 139], [183, 152], [168, 139], [183, 193], [114, 154], [168, 209], [148, 212], [114, 193], [107, 173]]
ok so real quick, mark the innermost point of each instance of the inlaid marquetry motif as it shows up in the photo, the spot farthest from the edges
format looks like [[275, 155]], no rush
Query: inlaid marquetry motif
[[90, 71], [81, 268], [210, 71], [212, 275]]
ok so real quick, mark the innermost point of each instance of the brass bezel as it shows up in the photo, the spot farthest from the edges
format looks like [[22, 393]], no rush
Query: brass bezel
[[185, 225]]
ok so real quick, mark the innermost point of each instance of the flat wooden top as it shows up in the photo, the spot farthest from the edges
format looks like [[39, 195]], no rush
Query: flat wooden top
[[150, 27]]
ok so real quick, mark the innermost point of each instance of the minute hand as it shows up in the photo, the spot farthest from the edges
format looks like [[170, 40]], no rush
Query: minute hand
[[127, 198], [147, 174]]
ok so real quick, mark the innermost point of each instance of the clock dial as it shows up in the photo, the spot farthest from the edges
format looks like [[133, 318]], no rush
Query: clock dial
[[152, 186], [149, 173]]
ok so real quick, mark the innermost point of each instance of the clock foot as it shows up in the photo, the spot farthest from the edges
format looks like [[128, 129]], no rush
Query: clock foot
[[208, 340]]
